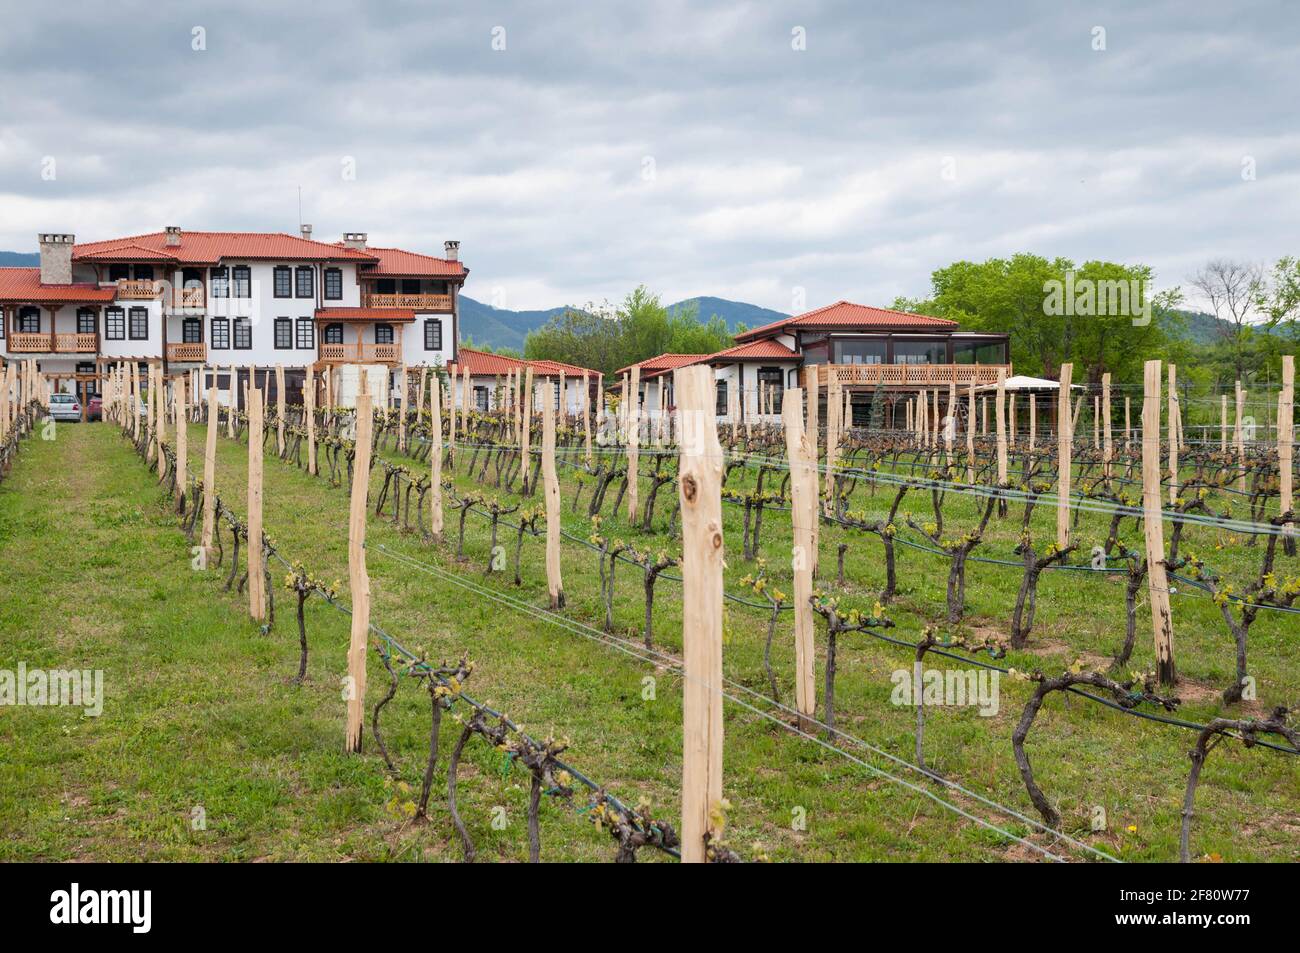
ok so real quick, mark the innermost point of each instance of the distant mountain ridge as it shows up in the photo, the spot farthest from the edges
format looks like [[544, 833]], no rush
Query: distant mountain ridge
[[19, 259]]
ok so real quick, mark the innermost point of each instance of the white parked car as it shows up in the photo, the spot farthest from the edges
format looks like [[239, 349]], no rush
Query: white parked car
[[65, 407]]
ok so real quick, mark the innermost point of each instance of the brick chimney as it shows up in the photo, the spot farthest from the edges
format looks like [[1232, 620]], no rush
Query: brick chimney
[[355, 240], [452, 250], [306, 231], [173, 234], [56, 258]]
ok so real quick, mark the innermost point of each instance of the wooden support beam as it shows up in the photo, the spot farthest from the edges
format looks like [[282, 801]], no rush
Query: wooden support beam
[[210, 472], [1153, 526], [256, 565], [358, 577], [279, 409], [633, 442], [435, 459], [803, 514], [309, 415], [700, 495], [551, 491], [182, 445], [1065, 456]]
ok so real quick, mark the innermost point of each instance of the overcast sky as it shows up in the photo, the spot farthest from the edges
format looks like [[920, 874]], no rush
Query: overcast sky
[[688, 146]]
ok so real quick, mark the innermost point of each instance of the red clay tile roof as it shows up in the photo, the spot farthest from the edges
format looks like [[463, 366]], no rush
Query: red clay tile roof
[[570, 370], [765, 350], [206, 248], [389, 315], [22, 285], [483, 364], [653, 366], [846, 314], [397, 262]]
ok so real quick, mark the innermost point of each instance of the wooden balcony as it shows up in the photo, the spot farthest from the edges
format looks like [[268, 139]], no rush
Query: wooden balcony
[[192, 298], [418, 302], [187, 353], [911, 375], [130, 290], [360, 353], [25, 342]]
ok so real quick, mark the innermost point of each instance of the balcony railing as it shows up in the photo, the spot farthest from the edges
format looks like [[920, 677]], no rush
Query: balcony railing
[[26, 342], [359, 353], [417, 302], [912, 375], [190, 297], [137, 290], [181, 353]]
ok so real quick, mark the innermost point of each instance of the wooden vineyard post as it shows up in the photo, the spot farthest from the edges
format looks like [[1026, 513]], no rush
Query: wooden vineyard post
[[1240, 439], [586, 415], [451, 424], [1001, 423], [1107, 438], [435, 459], [1033, 420], [803, 511], [419, 395], [160, 425], [309, 413], [151, 432], [970, 435], [358, 578], [551, 492], [1064, 452], [256, 568], [401, 410], [232, 391], [813, 434], [1286, 441], [633, 439], [950, 422], [210, 472], [700, 496], [1128, 423], [1153, 523], [526, 430], [182, 444], [1223, 423], [465, 391], [279, 410], [1096, 421], [1173, 435]]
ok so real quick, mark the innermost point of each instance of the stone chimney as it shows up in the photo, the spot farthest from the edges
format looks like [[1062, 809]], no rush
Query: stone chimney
[[306, 231], [355, 240], [56, 258], [452, 250], [173, 234]]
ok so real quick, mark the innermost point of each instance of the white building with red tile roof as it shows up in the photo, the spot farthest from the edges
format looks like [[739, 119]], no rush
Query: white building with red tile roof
[[870, 351], [253, 300]]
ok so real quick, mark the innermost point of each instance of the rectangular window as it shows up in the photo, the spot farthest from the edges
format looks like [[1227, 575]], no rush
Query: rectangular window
[[772, 380], [333, 284], [333, 334], [220, 334], [243, 280], [920, 352], [139, 326], [721, 409], [144, 272], [481, 398], [978, 352], [119, 272], [306, 334], [220, 282], [282, 281], [860, 351], [29, 321], [432, 334], [192, 331], [3, 322], [85, 321], [383, 334], [283, 334], [386, 286], [115, 324], [410, 286], [304, 282], [243, 334]]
